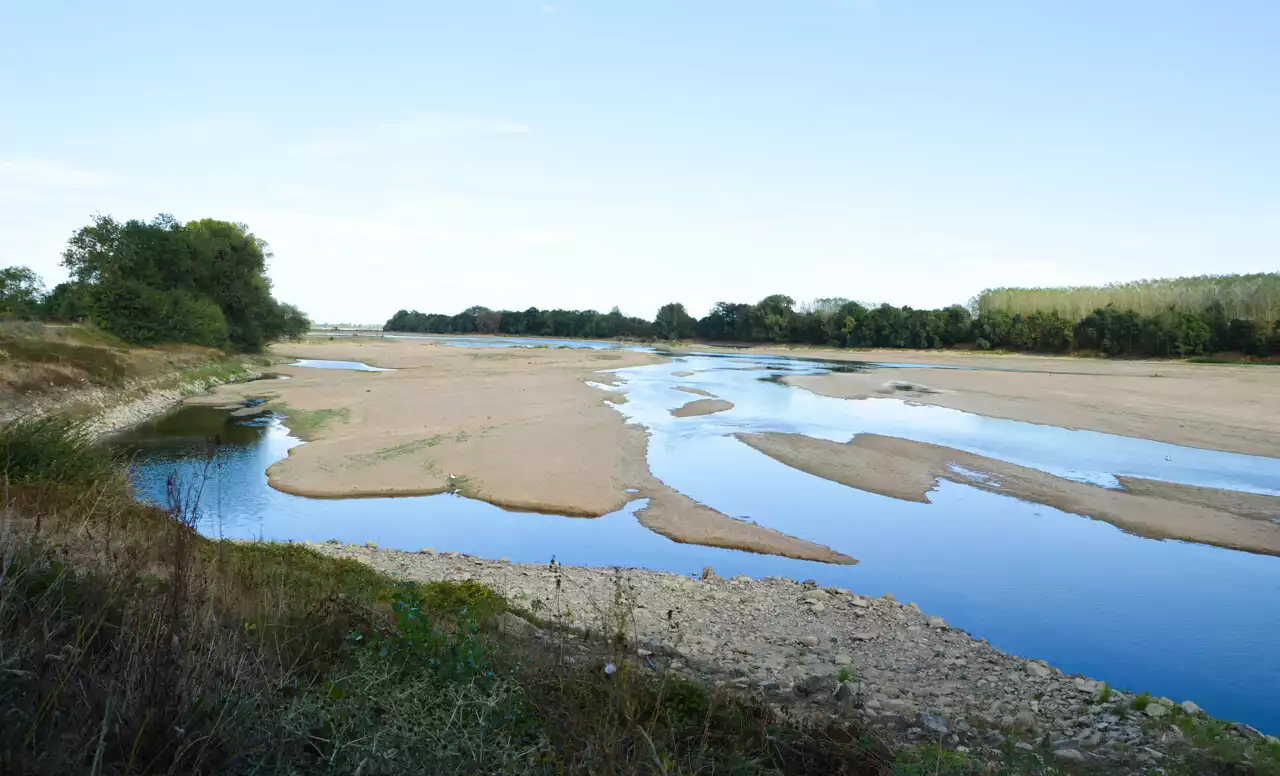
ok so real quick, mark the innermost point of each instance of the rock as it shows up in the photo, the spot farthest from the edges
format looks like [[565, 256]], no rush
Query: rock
[[932, 724], [1156, 710], [913, 606], [862, 636], [516, 625], [808, 641], [937, 623], [1024, 721], [859, 602], [642, 652], [843, 660], [817, 608], [1038, 670], [504, 560], [1073, 755], [427, 551], [844, 694], [371, 545], [897, 706], [1172, 735], [1189, 707], [814, 684], [708, 572]]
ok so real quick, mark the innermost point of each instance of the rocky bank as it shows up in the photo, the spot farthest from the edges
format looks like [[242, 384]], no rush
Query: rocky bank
[[828, 651]]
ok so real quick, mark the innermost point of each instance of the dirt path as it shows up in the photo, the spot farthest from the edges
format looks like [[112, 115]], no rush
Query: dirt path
[[516, 427], [909, 470]]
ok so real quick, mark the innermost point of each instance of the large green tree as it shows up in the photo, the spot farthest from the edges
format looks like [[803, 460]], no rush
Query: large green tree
[[673, 322], [162, 280], [20, 292]]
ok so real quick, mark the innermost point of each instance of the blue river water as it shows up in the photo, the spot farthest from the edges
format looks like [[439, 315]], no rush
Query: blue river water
[[1173, 618]]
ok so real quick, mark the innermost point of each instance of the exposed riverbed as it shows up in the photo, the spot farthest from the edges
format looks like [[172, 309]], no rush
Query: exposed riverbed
[[1178, 619]]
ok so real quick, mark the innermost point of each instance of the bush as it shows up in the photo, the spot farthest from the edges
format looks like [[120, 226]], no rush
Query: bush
[[52, 450]]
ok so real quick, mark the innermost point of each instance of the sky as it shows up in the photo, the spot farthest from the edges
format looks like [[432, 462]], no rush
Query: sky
[[591, 153]]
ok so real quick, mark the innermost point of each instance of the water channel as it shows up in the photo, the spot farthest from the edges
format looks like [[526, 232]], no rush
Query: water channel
[[1178, 619]]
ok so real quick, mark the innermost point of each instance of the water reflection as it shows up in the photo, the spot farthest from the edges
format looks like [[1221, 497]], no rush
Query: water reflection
[[355, 366]]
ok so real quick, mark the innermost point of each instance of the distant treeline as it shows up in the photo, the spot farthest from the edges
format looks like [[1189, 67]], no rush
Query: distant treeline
[[1112, 329], [203, 282]]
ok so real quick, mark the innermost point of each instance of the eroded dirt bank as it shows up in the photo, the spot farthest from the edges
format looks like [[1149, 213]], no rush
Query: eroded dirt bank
[[516, 427], [1219, 407], [829, 651], [909, 470]]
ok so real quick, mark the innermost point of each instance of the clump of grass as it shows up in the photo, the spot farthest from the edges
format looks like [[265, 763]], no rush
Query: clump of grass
[[102, 365], [1105, 695], [1141, 702], [52, 450], [304, 424]]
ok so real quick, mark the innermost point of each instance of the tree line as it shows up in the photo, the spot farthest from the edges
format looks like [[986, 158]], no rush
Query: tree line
[[203, 282], [844, 323]]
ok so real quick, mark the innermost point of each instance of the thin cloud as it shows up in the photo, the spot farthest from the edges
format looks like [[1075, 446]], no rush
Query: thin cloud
[[30, 172]]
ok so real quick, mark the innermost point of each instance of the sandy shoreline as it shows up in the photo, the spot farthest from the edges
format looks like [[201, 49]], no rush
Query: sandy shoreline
[[518, 428], [908, 470], [1217, 407]]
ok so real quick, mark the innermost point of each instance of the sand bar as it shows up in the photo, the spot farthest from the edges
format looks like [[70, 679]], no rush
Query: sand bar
[[909, 470], [1212, 406], [516, 427], [702, 407]]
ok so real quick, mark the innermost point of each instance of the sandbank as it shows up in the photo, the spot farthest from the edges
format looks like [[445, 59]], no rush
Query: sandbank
[[516, 427], [702, 407], [908, 470]]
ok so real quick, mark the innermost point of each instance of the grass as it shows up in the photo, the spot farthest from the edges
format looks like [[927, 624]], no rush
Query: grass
[[305, 424], [103, 366], [52, 450], [131, 644]]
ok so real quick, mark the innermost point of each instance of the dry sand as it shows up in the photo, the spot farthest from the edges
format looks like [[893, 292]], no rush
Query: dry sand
[[702, 407], [516, 427], [909, 470], [695, 391], [1213, 406]]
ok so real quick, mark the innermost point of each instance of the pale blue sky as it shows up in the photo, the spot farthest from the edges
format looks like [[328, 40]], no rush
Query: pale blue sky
[[584, 153]]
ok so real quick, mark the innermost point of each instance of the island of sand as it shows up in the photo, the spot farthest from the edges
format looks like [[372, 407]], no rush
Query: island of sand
[[516, 427]]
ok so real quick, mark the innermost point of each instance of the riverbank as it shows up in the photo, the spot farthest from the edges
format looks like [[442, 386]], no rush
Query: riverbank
[[833, 653], [518, 428], [92, 376]]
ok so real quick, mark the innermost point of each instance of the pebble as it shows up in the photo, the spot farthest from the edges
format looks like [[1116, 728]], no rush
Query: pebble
[[913, 673]]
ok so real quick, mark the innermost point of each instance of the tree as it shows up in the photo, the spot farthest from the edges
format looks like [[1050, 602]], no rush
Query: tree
[[162, 280], [20, 292], [673, 322]]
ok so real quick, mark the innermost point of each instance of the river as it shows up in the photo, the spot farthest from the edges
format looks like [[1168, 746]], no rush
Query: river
[[1177, 619]]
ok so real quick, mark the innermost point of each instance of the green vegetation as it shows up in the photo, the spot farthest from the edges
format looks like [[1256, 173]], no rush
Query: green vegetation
[[1242, 297], [1176, 318], [305, 423], [133, 645], [1141, 702], [203, 283], [52, 450]]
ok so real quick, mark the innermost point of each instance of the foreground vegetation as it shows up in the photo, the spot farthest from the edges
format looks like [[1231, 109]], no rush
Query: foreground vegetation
[[130, 644], [162, 281], [1182, 318]]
